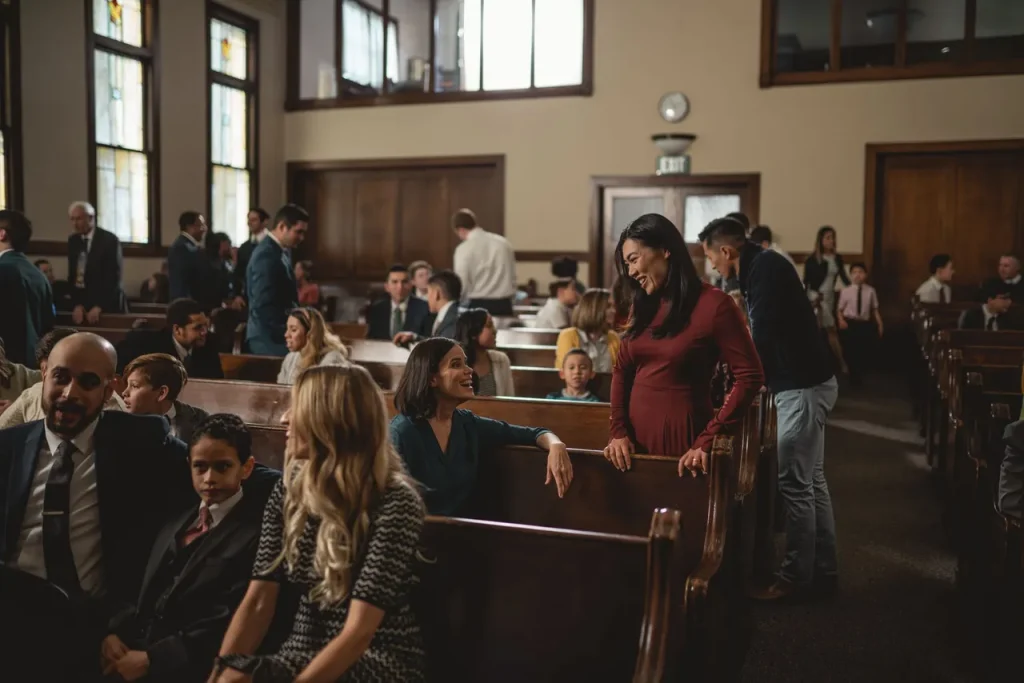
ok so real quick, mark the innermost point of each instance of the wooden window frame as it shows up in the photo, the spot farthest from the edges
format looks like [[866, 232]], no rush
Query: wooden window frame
[[294, 103], [10, 104], [148, 55], [250, 86], [965, 66]]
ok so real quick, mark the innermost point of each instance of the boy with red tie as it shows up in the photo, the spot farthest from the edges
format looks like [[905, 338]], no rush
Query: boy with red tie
[[199, 567], [859, 322]]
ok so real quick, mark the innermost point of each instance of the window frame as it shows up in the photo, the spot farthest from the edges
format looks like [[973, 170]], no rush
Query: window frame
[[294, 103], [900, 69], [149, 56], [10, 105], [250, 86]]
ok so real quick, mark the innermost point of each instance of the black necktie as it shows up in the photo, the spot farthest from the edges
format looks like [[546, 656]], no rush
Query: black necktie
[[859, 301], [60, 562], [991, 324], [942, 295]]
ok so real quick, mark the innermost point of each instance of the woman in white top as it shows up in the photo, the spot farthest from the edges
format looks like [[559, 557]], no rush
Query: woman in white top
[[822, 271], [492, 370], [309, 343]]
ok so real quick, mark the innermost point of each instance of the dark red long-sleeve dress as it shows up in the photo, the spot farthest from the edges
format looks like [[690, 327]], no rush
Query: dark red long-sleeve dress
[[661, 388]]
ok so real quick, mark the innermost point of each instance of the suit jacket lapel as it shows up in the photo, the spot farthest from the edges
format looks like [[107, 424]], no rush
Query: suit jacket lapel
[[165, 542], [22, 470], [223, 533], [106, 476]]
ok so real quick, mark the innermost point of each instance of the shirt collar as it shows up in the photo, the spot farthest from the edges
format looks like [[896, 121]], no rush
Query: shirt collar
[[89, 235], [402, 306], [444, 310], [1014, 280], [191, 239], [274, 237], [258, 237], [83, 441], [988, 314], [218, 511], [171, 412], [475, 232], [182, 351], [937, 283], [5, 251]]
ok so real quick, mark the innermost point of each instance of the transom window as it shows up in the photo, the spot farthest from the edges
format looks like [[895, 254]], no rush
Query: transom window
[[123, 179], [360, 52], [233, 130], [816, 41]]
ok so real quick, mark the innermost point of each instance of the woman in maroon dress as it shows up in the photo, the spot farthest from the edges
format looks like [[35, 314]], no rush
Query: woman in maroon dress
[[680, 329]]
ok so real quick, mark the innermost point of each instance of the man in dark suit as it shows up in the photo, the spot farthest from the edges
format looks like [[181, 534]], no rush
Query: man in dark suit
[[94, 267], [60, 288], [444, 290], [993, 312], [152, 385], [26, 301], [400, 312], [198, 569], [186, 259], [270, 282], [257, 221], [185, 338], [1009, 272]]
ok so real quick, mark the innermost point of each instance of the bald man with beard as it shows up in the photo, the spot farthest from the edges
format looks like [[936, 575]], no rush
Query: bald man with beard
[[83, 493]]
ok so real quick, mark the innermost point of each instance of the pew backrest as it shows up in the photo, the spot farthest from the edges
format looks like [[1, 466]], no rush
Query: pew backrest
[[119, 321], [527, 335]]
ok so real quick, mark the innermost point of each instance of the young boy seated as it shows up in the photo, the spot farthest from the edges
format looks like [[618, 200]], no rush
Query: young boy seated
[[577, 370], [860, 322], [152, 384], [992, 313], [556, 313], [198, 569]]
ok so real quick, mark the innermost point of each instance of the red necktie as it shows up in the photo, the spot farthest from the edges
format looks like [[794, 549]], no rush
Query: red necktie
[[199, 529]]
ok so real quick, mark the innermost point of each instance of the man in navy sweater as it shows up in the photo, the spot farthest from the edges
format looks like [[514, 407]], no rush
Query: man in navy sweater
[[798, 370]]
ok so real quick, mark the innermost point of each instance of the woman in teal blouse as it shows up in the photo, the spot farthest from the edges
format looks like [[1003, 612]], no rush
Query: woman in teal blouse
[[442, 444]]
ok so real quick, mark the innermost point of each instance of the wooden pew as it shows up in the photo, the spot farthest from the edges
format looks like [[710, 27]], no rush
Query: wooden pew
[[530, 355], [349, 330], [141, 307], [118, 321], [484, 581], [114, 336], [386, 352], [527, 335]]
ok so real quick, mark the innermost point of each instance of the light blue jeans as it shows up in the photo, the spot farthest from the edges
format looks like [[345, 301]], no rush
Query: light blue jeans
[[810, 525]]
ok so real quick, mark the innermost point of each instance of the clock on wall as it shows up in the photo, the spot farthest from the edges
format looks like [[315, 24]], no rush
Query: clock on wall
[[673, 107]]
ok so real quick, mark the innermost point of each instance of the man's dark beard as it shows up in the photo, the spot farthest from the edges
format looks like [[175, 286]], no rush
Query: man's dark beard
[[68, 408]]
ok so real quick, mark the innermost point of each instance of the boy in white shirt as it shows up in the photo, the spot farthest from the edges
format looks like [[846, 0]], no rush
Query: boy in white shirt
[[556, 312]]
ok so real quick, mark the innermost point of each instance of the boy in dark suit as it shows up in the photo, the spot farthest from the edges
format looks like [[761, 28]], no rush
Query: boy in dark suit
[[186, 337], [198, 569], [26, 305], [270, 282], [94, 267], [992, 313], [152, 385], [186, 259], [444, 290], [400, 312]]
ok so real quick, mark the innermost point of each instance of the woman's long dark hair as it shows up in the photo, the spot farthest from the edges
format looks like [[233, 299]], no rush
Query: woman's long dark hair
[[415, 398], [822, 231], [467, 330], [682, 286]]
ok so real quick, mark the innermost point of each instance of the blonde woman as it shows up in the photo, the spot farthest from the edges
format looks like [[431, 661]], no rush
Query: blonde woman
[[591, 330], [309, 343], [341, 526]]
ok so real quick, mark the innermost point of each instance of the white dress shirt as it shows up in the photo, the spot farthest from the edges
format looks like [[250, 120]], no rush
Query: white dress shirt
[[989, 315], [1013, 280], [170, 415], [190, 238], [84, 513], [440, 317], [218, 511], [486, 264], [553, 315], [4, 251], [929, 290], [83, 259], [258, 237]]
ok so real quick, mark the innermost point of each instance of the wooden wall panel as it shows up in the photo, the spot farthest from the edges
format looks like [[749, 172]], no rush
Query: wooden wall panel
[[375, 226], [424, 219]]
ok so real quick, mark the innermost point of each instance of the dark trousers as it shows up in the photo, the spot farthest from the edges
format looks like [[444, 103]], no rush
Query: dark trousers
[[860, 340], [493, 306]]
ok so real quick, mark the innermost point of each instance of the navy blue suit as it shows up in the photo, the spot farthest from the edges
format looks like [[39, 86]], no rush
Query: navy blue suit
[[270, 285], [379, 318], [186, 267], [26, 307]]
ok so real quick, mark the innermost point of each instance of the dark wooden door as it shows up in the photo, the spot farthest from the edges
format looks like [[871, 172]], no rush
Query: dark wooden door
[[364, 217], [967, 204]]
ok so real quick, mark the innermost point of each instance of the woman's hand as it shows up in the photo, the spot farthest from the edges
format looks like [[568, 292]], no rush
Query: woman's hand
[[695, 460], [229, 675], [618, 451], [559, 468]]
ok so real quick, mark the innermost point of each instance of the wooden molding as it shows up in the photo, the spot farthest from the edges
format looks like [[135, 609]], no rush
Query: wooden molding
[[60, 248], [547, 256]]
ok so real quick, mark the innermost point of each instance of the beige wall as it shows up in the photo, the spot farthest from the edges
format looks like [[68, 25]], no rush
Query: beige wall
[[807, 142], [55, 114]]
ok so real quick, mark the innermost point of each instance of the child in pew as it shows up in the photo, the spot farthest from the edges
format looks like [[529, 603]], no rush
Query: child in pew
[[198, 568], [577, 370], [556, 312]]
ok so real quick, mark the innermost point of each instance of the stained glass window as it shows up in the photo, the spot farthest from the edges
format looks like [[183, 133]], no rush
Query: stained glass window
[[120, 20], [232, 133], [123, 137]]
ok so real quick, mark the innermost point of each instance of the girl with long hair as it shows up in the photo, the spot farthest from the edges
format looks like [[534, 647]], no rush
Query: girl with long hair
[[591, 330], [679, 330], [823, 268], [442, 444], [309, 343], [342, 525], [476, 332]]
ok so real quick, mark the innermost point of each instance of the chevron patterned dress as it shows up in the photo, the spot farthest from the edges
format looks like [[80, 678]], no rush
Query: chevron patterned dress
[[384, 580]]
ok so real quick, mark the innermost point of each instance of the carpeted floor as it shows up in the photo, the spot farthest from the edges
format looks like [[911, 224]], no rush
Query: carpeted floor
[[892, 620]]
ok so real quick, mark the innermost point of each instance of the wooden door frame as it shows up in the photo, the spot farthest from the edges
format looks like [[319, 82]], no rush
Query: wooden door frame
[[876, 154], [598, 184]]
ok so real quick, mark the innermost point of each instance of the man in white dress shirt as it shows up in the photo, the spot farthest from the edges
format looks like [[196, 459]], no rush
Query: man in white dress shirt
[[486, 264], [936, 290]]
